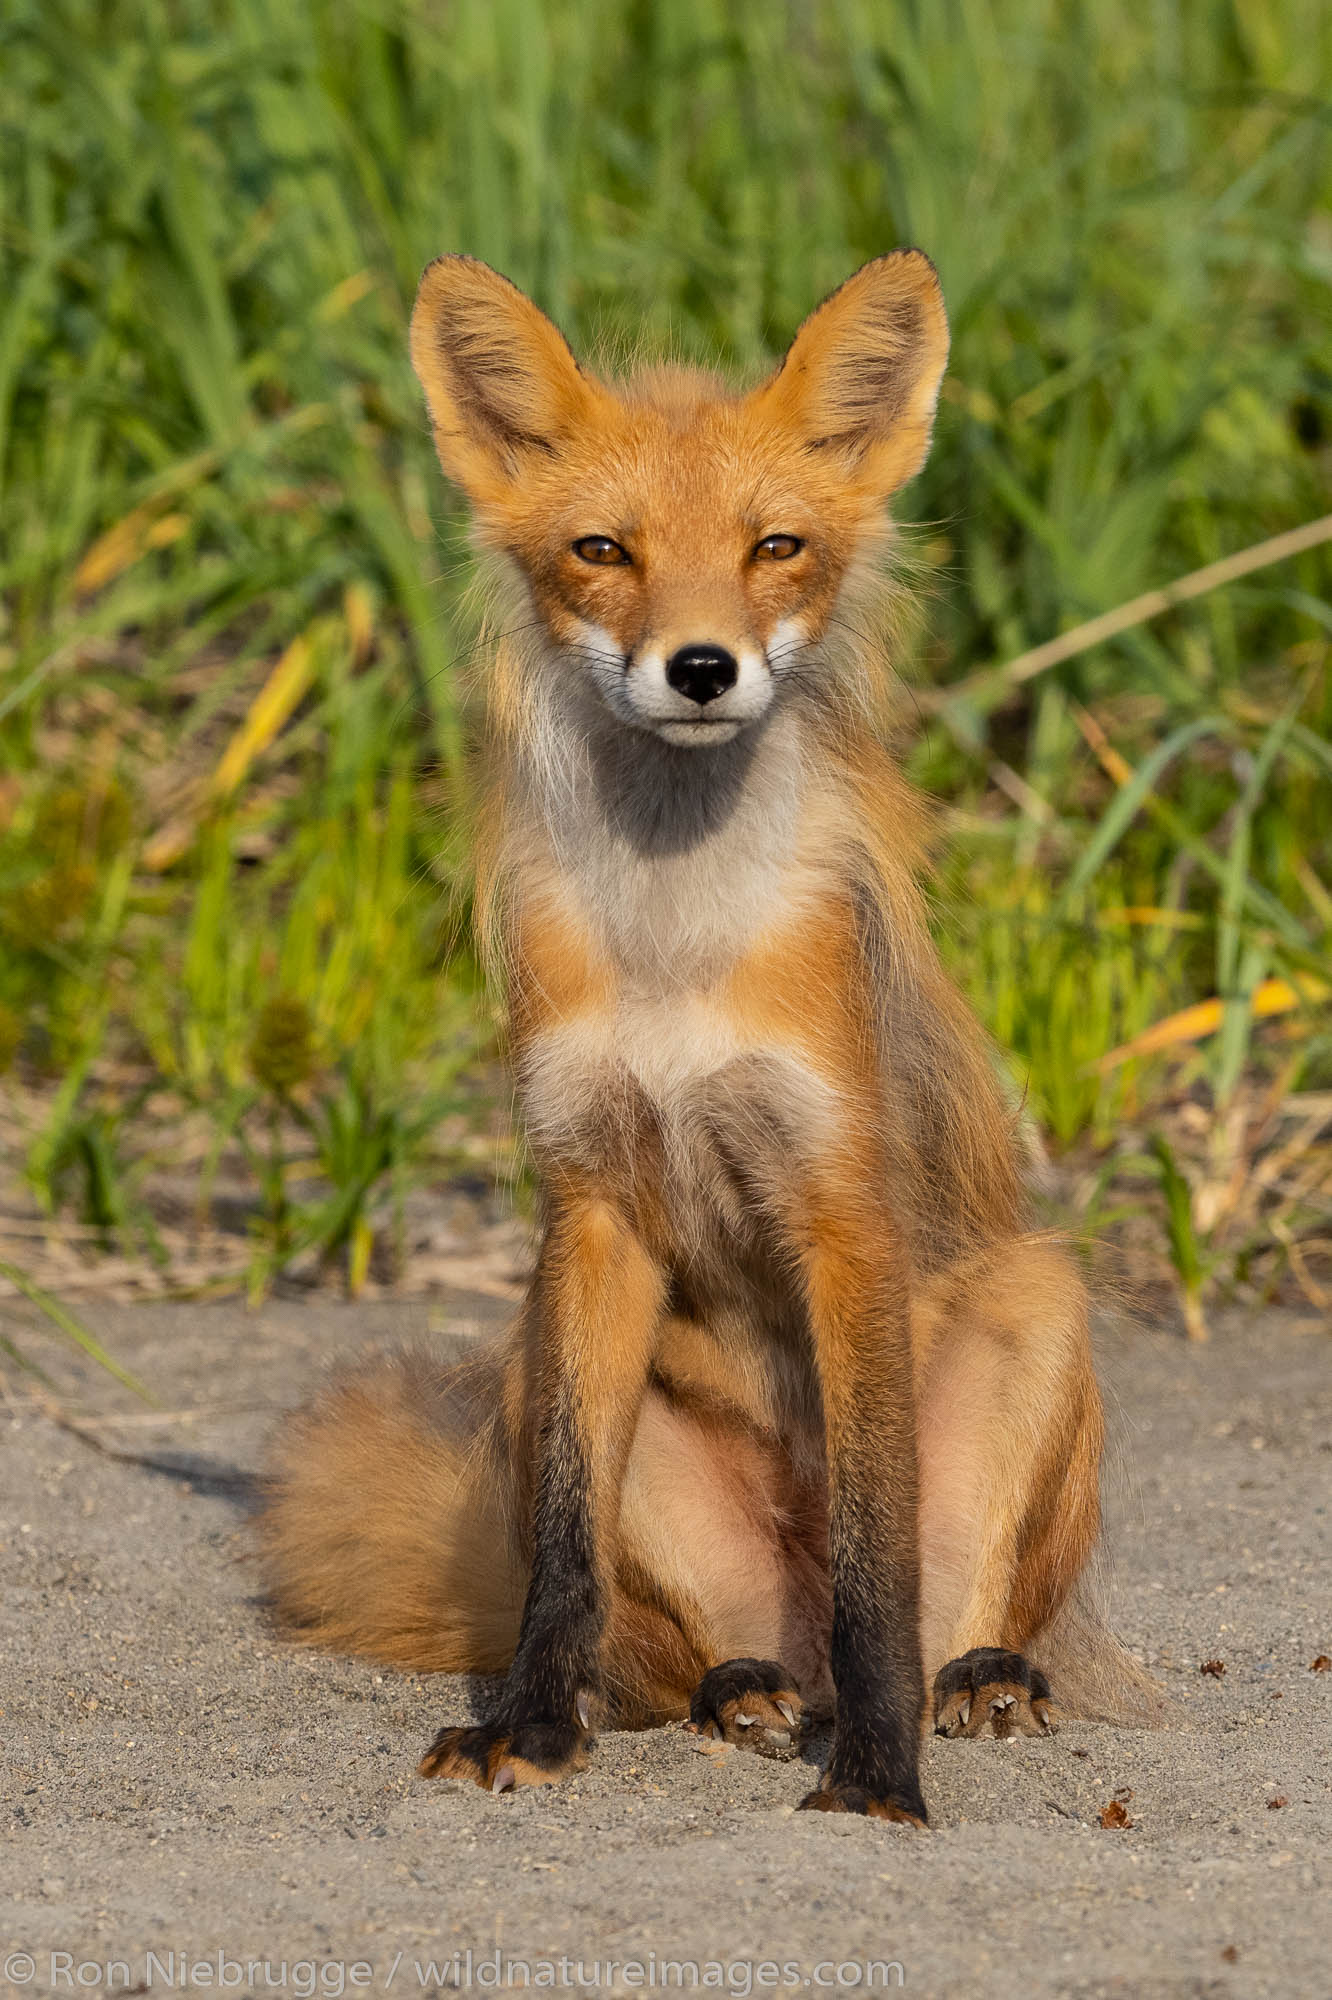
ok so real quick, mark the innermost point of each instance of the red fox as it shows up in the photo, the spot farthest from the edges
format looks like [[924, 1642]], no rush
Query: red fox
[[799, 1416]]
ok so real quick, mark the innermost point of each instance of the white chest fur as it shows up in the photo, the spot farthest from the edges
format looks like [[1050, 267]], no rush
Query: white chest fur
[[706, 1081], [672, 864], [676, 860]]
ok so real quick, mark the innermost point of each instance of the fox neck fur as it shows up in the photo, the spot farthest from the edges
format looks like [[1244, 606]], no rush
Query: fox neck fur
[[668, 918]]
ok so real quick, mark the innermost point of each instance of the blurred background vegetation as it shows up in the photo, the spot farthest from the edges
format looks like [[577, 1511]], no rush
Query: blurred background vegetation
[[234, 953]]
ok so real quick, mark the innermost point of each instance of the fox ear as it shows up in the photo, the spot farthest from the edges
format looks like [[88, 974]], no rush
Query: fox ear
[[861, 378], [500, 381]]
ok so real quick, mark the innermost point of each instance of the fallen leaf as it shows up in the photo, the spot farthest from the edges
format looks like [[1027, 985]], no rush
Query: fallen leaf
[[1321, 1665], [1115, 1814], [280, 694], [1194, 1024], [121, 546], [1213, 1667], [165, 847], [1230, 1953], [1274, 1805], [359, 613]]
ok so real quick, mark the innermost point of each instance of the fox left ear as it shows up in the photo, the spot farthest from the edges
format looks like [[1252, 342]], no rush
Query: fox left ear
[[861, 378], [500, 382]]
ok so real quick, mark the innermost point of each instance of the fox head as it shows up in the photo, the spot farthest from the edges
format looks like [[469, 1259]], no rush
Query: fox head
[[683, 547]]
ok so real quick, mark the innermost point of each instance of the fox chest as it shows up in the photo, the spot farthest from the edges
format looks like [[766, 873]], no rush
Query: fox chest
[[671, 1091]]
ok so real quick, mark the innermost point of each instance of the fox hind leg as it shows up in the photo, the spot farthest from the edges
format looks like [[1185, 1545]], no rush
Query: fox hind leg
[[1010, 1444], [752, 1704], [989, 1692]]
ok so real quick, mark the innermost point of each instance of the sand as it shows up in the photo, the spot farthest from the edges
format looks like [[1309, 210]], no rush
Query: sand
[[180, 1784]]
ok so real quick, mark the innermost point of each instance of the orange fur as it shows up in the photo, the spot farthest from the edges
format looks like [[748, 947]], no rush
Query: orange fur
[[788, 1338]]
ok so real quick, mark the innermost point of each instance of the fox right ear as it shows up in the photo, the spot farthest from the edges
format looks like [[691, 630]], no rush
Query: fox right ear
[[861, 378], [500, 380]]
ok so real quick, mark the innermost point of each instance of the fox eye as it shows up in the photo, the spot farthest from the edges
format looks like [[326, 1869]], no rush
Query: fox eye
[[599, 549], [778, 548]]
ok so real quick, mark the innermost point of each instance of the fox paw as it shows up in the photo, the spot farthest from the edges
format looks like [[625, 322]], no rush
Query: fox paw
[[856, 1799], [750, 1703], [500, 1756], [989, 1692]]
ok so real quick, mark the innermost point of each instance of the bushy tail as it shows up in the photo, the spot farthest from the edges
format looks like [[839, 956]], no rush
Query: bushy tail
[[386, 1520], [1093, 1676]]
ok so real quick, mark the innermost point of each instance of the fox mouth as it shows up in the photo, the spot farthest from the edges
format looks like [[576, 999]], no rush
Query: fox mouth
[[695, 731]]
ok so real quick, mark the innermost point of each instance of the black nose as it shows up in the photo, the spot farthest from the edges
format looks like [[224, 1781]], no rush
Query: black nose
[[701, 673]]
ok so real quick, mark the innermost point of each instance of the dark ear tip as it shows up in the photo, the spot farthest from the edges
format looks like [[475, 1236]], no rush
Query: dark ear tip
[[917, 256], [909, 257], [458, 264], [448, 260]]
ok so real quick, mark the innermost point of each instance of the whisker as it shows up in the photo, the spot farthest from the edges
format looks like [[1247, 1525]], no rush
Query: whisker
[[879, 646], [596, 653], [461, 664], [790, 651]]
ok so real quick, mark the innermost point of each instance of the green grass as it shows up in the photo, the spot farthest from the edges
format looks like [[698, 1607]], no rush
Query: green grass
[[212, 217]]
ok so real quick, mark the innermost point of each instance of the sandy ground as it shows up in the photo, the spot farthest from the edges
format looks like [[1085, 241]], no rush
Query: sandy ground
[[179, 1782]]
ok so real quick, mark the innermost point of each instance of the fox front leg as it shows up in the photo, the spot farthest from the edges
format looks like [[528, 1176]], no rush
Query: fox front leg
[[592, 1324], [854, 1275]]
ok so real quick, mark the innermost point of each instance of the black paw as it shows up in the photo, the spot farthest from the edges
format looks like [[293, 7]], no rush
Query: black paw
[[990, 1692], [502, 1755], [856, 1799], [751, 1703]]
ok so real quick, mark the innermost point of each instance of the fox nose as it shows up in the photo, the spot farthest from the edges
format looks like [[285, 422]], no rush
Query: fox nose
[[701, 673]]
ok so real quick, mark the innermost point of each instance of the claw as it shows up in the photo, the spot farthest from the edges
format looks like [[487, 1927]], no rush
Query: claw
[[745, 1721], [787, 1710], [781, 1737], [584, 1708], [505, 1779]]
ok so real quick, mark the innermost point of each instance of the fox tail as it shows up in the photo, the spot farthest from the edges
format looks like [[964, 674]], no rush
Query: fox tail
[[386, 1526]]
